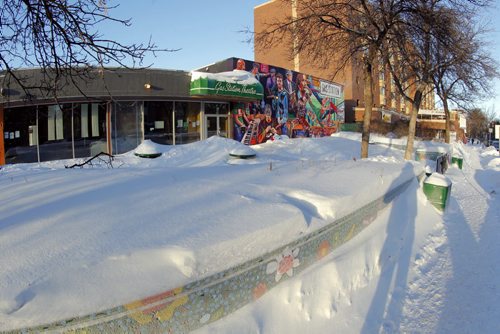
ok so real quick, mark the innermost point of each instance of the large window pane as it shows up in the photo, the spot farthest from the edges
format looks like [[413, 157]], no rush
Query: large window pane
[[187, 122], [127, 130], [89, 120], [216, 108], [223, 127], [158, 122], [54, 132], [20, 135]]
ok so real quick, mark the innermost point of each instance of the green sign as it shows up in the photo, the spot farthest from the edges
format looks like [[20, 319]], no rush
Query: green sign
[[225, 85]]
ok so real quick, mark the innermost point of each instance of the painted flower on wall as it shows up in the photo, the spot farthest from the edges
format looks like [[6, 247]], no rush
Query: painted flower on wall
[[259, 290], [162, 307], [284, 264], [323, 249]]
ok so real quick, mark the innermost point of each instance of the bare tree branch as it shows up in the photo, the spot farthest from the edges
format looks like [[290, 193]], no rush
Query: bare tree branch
[[62, 38]]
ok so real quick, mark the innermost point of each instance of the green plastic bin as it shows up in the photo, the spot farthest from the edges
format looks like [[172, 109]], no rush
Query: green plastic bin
[[437, 189], [457, 161]]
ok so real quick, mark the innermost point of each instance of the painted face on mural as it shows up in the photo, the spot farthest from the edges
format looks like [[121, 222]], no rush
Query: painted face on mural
[[268, 113], [304, 82], [255, 68], [287, 92], [279, 83], [240, 65]]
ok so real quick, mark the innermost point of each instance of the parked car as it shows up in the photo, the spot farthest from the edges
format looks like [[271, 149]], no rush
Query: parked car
[[495, 144]]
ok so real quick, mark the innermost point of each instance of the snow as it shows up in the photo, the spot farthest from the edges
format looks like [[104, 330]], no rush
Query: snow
[[438, 180], [432, 146], [234, 76], [74, 241], [243, 151], [148, 147], [490, 151]]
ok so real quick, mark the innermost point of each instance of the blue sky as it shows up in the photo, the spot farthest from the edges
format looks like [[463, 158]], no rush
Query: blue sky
[[208, 31], [205, 31], [492, 18]]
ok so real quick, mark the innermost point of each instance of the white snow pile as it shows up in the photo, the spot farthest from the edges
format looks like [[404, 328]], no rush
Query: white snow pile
[[431, 146], [77, 241], [234, 76], [494, 164], [490, 150], [242, 151], [147, 147], [438, 180]]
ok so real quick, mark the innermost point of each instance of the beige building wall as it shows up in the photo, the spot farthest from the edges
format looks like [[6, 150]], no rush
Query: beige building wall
[[279, 53], [2, 144]]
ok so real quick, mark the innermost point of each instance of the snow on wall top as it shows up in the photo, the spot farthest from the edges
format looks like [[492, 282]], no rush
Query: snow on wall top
[[235, 76]]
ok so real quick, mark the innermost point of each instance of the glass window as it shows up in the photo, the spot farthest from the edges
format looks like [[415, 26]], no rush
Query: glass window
[[158, 122], [55, 123], [187, 122], [89, 122], [20, 135], [127, 128], [54, 132], [223, 127], [61, 132], [382, 95], [216, 108]]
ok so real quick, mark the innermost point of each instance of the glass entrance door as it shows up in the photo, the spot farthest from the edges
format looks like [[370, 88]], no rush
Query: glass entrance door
[[216, 125], [216, 120]]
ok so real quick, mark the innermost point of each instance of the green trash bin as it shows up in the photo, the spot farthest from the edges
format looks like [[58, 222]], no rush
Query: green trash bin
[[437, 189], [457, 161]]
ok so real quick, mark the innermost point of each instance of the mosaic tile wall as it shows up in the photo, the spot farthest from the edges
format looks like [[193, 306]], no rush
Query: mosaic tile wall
[[193, 305]]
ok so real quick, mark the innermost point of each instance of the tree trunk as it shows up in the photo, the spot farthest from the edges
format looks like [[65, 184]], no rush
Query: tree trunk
[[447, 116], [368, 97], [413, 123]]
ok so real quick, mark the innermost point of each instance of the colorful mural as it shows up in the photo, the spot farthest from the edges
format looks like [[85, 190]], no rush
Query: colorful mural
[[294, 105]]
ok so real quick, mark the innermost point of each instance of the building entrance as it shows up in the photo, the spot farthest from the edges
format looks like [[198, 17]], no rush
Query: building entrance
[[216, 120]]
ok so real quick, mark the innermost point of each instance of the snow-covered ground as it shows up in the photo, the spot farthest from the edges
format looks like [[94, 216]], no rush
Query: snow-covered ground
[[75, 241]]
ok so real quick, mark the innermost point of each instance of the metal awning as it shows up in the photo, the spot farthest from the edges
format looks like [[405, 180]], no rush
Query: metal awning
[[234, 84]]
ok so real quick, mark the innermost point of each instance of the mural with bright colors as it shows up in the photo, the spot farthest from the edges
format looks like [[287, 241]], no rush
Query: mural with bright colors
[[294, 104]]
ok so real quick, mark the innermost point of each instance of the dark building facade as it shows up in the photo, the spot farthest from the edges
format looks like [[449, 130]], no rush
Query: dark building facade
[[116, 109]]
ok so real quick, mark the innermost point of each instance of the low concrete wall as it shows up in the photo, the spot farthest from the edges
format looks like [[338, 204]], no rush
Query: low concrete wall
[[191, 306]]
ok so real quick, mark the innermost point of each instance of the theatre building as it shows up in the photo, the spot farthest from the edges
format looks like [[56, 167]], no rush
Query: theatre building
[[117, 109]]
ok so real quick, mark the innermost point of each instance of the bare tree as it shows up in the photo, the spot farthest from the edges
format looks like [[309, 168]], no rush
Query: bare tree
[[408, 57], [355, 29], [412, 38], [477, 124], [464, 69], [411, 51], [62, 38]]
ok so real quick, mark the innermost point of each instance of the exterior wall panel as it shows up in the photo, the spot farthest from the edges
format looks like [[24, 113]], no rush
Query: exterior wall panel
[[2, 144]]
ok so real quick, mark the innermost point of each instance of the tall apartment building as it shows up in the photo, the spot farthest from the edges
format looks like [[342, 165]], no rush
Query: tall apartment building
[[387, 101]]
